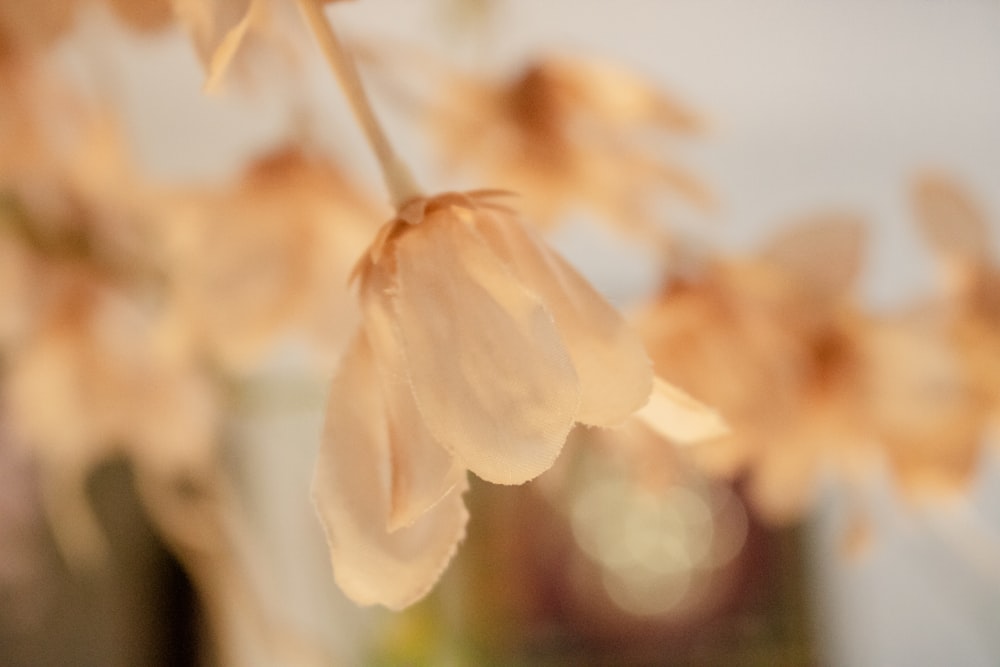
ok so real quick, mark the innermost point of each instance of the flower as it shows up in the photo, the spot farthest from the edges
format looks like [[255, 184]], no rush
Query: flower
[[266, 258], [775, 346], [934, 377], [569, 134], [86, 375], [479, 349]]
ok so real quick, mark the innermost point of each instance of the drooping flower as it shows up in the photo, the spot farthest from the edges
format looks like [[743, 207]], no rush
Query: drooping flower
[[479, 349]]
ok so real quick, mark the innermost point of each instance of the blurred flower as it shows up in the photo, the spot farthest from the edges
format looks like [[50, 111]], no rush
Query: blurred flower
[[89, 381], [267, 258], [480, 348], [775, 346], [935, 372], [86, 375], [569, 134], [959, 234]]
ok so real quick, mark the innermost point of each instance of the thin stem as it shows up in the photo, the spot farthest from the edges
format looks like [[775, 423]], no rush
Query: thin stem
[[398, 179]]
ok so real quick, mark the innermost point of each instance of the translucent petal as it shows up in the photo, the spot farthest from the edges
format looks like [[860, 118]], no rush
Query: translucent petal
[[678, 417], [615, 372], [423, 472], [351, 490], [489, 370]]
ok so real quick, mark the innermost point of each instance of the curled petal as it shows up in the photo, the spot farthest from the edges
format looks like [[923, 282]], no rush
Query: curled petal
[[423, 472], [679, 418], [351, 490], [615, 372], [490, 373]]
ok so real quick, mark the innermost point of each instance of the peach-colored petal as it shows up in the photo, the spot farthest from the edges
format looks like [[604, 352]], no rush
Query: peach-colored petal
[[950, 220], [617, 96], [490, 372], [615, 372], [351, 490], [824, 253], [423, 472], [928, 412], [679, 418]]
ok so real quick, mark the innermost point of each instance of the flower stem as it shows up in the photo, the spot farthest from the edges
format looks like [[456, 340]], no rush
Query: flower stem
[[398, 179]]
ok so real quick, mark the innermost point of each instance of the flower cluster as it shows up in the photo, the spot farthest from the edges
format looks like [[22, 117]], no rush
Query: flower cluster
[[845, 389]]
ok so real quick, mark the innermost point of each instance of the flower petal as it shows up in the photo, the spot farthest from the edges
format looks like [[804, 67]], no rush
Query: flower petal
[[823, 253], [423, 472], [679, 418], [615, 372], [351, 490], [489, 370], [950, 220]]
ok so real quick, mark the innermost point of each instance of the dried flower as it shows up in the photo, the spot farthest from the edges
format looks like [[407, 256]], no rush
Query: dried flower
[[90, 380], [266, 258], [772, 344], [568, 134], [934, 373], [479, 350]]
